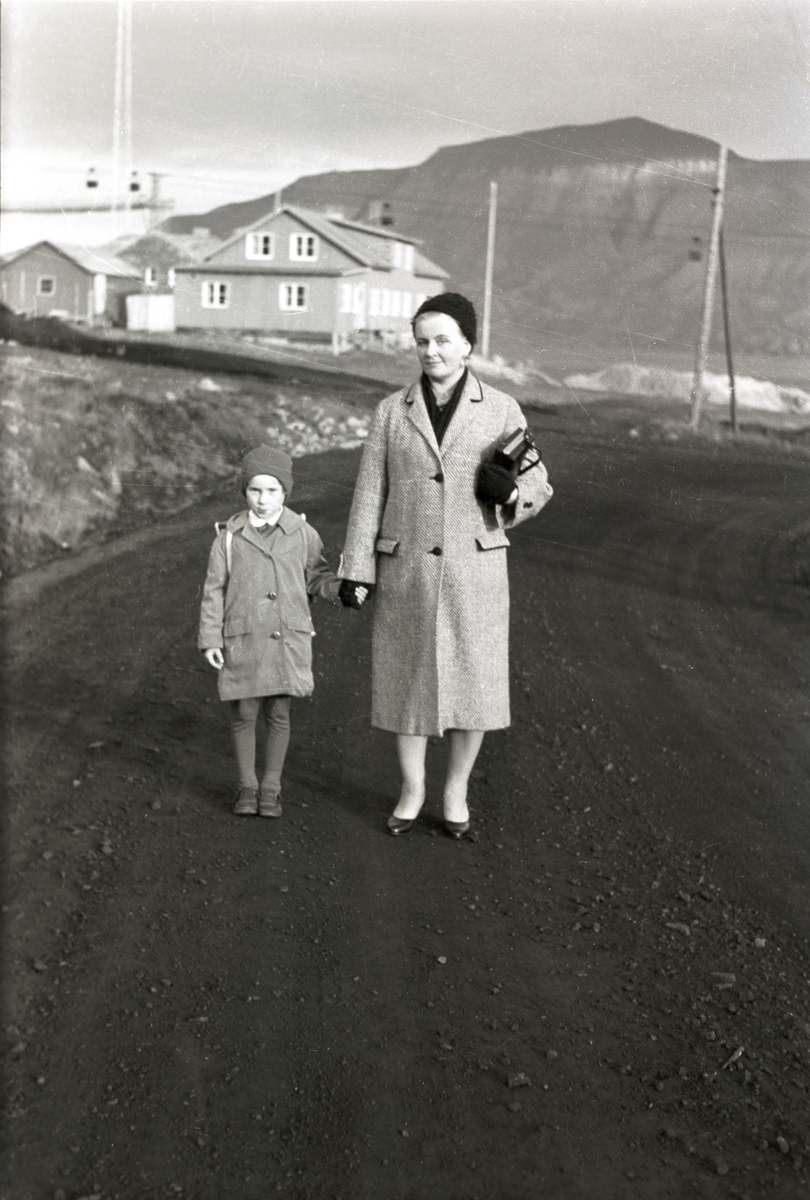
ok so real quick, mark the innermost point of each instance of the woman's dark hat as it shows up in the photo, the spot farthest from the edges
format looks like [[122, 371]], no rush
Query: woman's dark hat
[[264, 460], [456, 306]]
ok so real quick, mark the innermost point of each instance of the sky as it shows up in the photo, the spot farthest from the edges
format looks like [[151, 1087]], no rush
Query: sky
[[233, 99]]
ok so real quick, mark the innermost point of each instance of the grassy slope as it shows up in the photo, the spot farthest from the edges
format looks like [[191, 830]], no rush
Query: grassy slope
[[93, 446]]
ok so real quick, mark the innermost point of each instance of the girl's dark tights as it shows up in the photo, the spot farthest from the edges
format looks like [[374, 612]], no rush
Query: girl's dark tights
[[244, 715]]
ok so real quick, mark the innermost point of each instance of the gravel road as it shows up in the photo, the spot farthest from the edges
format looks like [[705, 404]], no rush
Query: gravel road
[[226, 1009]]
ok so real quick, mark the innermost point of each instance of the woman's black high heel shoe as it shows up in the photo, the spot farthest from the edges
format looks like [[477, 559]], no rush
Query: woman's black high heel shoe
[[456, 829], [400, 825]]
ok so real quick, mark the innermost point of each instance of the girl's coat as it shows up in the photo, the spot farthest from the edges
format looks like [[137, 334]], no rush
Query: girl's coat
[[440, 644], [257, 612]]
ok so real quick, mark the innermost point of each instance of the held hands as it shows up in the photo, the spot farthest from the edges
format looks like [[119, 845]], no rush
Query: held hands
[[495, 485], [352, 594]]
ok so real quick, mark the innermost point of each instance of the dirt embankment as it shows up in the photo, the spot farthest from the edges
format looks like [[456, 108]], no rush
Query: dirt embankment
[[91, 447]]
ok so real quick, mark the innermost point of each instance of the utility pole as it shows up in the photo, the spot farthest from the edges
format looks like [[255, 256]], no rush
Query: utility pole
[[122, 112], [118, 101], [708, 291], [127, 113], [727, 333], [490, 266]]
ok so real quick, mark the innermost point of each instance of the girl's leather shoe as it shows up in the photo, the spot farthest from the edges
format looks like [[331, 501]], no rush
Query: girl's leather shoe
[[269, 804], [247, 802], [456, 829]]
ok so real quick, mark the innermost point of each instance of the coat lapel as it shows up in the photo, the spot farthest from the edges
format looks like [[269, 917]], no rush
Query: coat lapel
[[417, 415], [472, 394], [252, 536]]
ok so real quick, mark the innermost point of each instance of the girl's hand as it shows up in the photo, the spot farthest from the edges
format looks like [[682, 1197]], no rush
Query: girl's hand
[[352, 594], [214, 658]]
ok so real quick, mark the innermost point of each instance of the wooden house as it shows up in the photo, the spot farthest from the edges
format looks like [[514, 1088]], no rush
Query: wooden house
[[155, 257], [308, 276], [51, 279]]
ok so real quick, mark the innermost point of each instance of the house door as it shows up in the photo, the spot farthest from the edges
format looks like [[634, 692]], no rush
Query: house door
[[99, 294], [359, 306]]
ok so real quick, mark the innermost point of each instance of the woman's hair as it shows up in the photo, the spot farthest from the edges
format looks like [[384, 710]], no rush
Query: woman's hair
[[454, 305]]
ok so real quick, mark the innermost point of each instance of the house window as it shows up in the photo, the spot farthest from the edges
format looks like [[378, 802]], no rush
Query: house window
[[215, 294], [407, 305], [402, 255], [171, 277], [303, 247], [46, 285], [259, 245], [395, 304], [150, 276], [345, 297], [385, 305], [373, 302], [359, 301], [293, 297]]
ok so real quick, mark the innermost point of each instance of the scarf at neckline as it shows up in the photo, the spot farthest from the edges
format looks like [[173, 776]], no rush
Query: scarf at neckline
[[441, 415]]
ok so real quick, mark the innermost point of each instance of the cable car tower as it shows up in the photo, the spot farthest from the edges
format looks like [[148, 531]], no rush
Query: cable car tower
[[122, 113], [125, 182]]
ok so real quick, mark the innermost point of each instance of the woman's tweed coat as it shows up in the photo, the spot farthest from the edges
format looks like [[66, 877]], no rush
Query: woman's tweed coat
[[258, 612], [440, 642]]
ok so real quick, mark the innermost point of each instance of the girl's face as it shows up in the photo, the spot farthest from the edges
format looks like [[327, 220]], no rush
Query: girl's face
[[265, 496], [441, 347]]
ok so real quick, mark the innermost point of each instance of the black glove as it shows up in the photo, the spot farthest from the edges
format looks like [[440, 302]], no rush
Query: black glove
[[347, 594], [495, 484]]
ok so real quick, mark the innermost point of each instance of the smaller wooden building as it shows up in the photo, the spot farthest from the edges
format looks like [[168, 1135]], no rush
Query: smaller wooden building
[[154, 256], [51, 279], [303, 274]]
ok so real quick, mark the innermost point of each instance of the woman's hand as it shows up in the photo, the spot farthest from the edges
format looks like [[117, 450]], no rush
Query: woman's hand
[[495, 485], [214, 658], [352, 594]]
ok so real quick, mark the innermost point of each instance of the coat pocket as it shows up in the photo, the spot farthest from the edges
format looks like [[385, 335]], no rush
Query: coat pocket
[[299, 627], [386, 545], [236, 626], [492, 539]]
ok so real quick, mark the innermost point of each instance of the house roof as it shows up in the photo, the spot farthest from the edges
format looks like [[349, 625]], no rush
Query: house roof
[[155, 249], [98, 261], [293, 271], [426, 268], [393, 235], [360, 242], [95, 262], [6, 259]]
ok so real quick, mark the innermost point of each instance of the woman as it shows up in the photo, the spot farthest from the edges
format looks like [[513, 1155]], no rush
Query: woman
[[428, 528]]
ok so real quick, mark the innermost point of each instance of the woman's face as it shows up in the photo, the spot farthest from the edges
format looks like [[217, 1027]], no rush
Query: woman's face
[[440, 346]]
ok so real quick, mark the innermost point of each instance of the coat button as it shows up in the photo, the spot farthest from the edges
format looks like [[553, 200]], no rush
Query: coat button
[[271, 595], [275, 635], [439, 477], [436, 550]]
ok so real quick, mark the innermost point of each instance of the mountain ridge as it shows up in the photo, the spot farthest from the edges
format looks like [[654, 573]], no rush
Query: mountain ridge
[[602, 230]]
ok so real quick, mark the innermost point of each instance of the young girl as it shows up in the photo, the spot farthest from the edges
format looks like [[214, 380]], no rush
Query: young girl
[[255, 626]]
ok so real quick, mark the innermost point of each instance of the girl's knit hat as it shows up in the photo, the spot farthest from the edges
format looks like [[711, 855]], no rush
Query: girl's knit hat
[[456, 306], [264, 460]]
